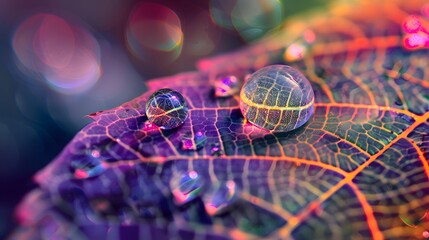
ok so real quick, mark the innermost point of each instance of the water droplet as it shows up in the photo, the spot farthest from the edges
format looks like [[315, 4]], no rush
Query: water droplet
[[288, 104], [90, 166], [193, 143], [219, 197], [216, 150], [186, 187], [167, 109], [226, 86]]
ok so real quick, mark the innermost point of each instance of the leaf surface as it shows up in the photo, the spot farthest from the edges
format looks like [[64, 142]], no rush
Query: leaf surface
[[357, 168]]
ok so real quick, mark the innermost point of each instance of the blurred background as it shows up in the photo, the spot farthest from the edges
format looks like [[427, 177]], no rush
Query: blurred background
[[61, 60]]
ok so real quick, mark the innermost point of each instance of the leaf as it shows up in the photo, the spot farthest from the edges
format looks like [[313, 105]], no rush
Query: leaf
[[355, 170]]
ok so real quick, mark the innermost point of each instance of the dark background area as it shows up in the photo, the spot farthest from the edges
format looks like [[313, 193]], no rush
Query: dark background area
[[38, 119]]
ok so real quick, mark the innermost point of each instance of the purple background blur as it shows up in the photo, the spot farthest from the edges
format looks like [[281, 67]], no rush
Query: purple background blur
[[61, 60]]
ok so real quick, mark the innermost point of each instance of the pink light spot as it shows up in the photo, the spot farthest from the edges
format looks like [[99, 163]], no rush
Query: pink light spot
[[416, 41], [412, 24], [425, 234], [54, 42], [179, 196], [81, 174], [95, 153], [193, 174], [64, 54], [294, 52], [309, 36]]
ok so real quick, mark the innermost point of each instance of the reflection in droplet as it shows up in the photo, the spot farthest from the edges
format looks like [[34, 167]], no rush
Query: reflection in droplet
[[154, 30], [216, 150], [66, 55], [219, 197], [89, 166], [193, 143], [226, 86], [186, 187]]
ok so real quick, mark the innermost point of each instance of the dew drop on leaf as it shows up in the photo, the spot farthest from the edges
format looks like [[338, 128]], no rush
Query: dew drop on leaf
[[277, 98], [90, 166], [186, 187], [167, 109], [220, 197], [196, 142]]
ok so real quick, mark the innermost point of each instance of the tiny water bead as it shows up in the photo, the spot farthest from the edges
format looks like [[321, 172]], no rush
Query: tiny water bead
[[196, 142], [166, 108], [277, 98], [186, 187]]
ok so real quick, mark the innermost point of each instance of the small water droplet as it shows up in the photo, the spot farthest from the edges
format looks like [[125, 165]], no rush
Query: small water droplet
[[167, 109], [226, 86], [193, 143], [220, 197], [90, 166], [216, 150], [186, 187]]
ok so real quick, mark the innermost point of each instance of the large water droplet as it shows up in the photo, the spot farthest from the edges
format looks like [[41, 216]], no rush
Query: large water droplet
[[186, 187], [88, 166], [226, 86], [220, 197], [193, 143]]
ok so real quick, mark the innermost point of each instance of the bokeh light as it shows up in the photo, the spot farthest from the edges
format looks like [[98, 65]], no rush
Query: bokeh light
[[251, 18], [154, 32], [416, 32], [66, 56]]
